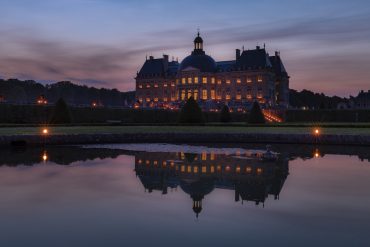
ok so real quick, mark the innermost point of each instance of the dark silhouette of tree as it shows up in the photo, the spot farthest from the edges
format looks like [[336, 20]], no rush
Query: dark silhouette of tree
[[27, 92], [191, 112], [225, 116], [61, 114], [256, 115]]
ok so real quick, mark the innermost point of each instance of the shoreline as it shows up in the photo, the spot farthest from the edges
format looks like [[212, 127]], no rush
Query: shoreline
[[168, 137]]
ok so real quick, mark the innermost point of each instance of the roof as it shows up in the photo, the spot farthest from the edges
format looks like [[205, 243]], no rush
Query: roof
[[200, 61], [257, 58], [278, 65], [158, 66], [225, 65]]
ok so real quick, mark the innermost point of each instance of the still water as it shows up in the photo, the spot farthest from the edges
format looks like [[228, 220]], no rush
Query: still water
[[182, 195]]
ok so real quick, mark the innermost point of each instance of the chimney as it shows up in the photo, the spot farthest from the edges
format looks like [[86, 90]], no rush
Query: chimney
[[258, 47], [276, 54], [151, 57], [237, 52], [165, 57], [165, 62]]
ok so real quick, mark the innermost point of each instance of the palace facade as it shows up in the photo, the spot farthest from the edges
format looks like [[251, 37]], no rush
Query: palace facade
[[254, 75]]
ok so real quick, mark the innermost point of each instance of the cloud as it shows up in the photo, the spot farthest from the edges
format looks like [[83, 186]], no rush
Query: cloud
[[317, 51]]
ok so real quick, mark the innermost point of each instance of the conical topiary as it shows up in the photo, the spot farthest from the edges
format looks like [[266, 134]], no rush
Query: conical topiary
[[225, 116], [61, 114], [191, 112], [256, 116]]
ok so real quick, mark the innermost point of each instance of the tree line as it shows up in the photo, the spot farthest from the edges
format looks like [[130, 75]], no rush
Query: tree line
[[27, 92]]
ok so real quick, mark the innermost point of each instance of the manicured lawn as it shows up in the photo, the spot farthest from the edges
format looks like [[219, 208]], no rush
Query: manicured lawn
[[181, 129]]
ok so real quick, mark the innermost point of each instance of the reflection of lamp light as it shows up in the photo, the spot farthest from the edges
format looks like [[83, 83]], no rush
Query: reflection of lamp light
[[45, 156], [317, 131], [317, 153]]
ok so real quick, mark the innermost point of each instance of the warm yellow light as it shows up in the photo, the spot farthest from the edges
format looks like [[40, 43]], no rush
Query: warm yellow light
[[45, 131], [317, 155], [317, 131], [45, 156]]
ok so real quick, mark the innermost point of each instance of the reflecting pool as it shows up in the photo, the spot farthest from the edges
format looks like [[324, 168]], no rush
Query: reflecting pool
[[185, 195]]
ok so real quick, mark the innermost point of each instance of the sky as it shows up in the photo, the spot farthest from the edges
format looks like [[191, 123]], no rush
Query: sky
[[324, 44]]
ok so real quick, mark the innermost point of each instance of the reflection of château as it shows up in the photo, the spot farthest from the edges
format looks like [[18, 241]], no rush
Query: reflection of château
[[198, 174]]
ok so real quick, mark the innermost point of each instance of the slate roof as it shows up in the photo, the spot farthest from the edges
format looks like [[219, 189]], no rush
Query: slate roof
[[225, 65], [254, 59], [158, 67], [278, 65], [249, 59]]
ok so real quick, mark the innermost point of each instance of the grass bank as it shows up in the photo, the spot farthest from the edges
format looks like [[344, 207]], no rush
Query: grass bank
[[288, 129]]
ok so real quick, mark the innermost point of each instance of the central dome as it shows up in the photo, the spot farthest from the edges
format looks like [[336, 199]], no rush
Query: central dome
[[202, 62], [198, 58]]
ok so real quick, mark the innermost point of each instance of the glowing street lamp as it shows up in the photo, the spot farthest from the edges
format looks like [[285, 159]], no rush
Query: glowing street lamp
[[316, 131], [45, 131]]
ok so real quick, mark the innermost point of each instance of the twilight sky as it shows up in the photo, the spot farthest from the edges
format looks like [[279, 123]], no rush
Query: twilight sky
[[325, 44]]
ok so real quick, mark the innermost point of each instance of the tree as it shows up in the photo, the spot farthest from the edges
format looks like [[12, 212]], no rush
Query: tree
[[225, 116], [191, 112], [256, 115], [61, 114]]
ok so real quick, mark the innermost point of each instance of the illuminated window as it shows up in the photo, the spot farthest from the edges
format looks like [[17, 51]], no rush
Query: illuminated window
[[155, 99], [147, 86], [196, 94], [147, 162], [227, 168], [140, 86], [155, 163], [189, 169], [182, 169], [204, 80], [213, 94], [165, 99], [196, 169], [228, 96], [259, 171], [219, 94], [164, 163], [259, 78], [204, 94], [239, 95], [218, 168], [155, 85], [139, 161], [183, 80], [190, 80], [228, 81], [249, 96], [212, 156], [249, 79], [204, 169], [196, 80], [182, 155], [238, 81], [147, 99], [248, 169], [213, 80], [140, 100], [219, 81], [204, 156], [189, 93], [212, 169], [237, 169], [172, 84], [182, 94], [165, 85]]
